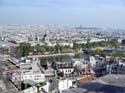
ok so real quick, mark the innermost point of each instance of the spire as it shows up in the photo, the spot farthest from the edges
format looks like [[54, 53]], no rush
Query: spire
[[45, 35], [36, 37]]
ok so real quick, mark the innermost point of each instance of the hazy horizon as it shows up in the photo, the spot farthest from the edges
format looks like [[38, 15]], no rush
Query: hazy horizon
[[88, 13]]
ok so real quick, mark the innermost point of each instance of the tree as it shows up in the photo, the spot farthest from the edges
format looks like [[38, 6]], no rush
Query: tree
[[24, 49], [98, 51], [49, 48], [76, 46], [115, 44], [118, 54], [57, 48], [40, 49]]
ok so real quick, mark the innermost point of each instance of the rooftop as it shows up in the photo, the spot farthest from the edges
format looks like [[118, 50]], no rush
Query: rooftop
[[6, 43], [30, 68], [105, 84]]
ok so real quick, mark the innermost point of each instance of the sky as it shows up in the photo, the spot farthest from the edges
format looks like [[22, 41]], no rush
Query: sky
[[88, 13]]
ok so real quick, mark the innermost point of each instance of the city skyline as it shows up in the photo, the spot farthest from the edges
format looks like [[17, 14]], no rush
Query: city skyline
[[95, 13]]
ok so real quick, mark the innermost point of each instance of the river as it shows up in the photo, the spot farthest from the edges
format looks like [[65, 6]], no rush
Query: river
[[63, 58]]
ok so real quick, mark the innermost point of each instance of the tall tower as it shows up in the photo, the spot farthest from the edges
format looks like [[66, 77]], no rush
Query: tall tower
[[45, 35], [36, 38], [46, 39]]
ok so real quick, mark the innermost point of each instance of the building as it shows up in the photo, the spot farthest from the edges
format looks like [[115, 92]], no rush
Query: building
[[92, 61], [65, 67], [105, 84], [30, 70], [65, 84]]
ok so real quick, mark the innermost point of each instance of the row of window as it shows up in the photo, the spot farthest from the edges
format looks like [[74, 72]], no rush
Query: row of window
[[35, 77], [66, 71]]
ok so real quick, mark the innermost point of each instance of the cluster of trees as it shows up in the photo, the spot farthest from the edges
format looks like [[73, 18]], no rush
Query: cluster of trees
[[39, 48], [63, 49], [76, 46], [24, 49], [102, 44], [53, 49], [115, 44], [97, 44], [103, 53]]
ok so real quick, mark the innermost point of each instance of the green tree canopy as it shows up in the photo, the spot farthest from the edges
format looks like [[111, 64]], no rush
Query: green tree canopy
[[76, 46], [40, 48], [24, 49]]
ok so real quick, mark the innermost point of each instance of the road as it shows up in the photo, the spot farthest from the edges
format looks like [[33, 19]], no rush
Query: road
[[51, 55]]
